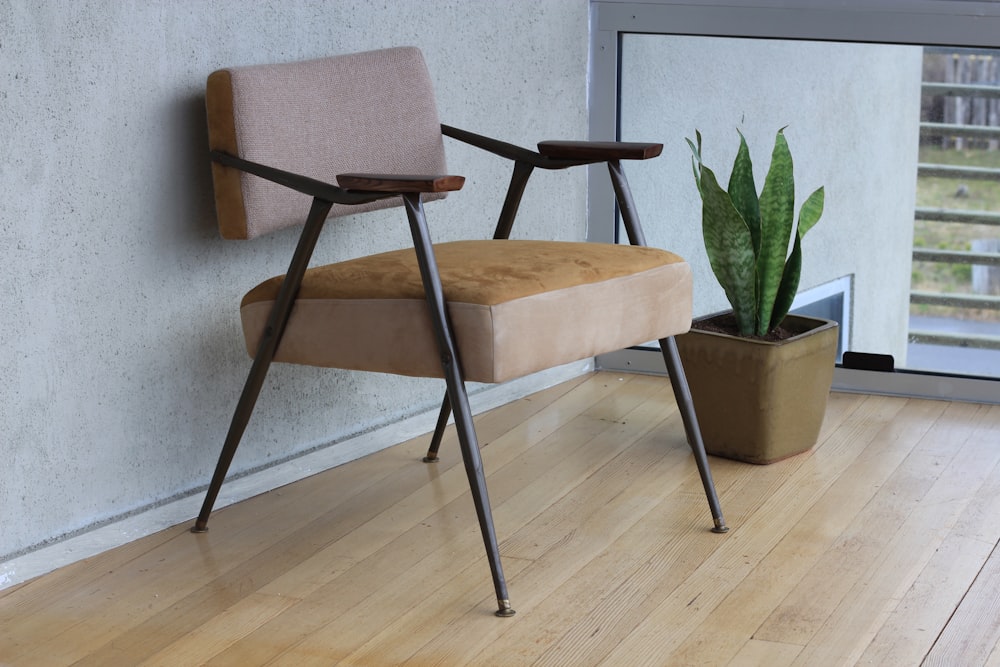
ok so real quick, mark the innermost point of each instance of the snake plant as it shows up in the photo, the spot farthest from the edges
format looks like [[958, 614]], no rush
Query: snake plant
[[747, 237]]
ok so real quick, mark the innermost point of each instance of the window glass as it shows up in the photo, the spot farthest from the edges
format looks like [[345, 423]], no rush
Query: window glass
[[904, 139]]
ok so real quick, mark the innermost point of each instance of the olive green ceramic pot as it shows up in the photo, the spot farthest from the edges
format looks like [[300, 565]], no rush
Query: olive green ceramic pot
[[760, 401]]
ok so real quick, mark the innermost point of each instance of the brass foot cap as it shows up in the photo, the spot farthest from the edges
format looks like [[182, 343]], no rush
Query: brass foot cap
[[431, 459], [720, 526], [504, 611], [199, 527]]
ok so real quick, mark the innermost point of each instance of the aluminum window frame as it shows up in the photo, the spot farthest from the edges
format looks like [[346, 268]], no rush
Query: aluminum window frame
[[957, 23]]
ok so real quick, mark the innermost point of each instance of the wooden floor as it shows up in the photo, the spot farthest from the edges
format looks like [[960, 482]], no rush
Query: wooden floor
[[878, 547]]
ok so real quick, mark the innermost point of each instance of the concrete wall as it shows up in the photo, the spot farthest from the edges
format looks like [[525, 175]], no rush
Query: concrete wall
[[120, 350], [852, 112]]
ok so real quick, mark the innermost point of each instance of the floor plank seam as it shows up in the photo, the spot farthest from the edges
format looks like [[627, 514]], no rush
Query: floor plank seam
[[995, 553]]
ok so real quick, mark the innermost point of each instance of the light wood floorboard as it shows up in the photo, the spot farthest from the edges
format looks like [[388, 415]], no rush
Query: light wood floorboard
[[879, 546]]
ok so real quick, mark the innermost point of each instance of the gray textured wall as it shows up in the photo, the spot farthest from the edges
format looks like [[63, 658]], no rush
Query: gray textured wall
[[853, 113], [120, 348]]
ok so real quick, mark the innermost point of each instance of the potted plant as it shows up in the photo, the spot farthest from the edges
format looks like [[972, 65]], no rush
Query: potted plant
[[759, 377]]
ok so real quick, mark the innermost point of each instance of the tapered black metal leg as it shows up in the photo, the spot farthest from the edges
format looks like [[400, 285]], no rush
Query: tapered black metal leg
[[457, 396], [630, 219], [273, 329], [477, 482], [241, 417], [518, 181], [683, 395], [442, 423]]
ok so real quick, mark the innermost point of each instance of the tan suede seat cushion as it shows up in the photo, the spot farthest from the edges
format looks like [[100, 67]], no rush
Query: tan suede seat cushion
[[516, 307]]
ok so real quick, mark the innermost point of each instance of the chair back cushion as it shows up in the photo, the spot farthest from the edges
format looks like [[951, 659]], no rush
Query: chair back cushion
[[367, 112]]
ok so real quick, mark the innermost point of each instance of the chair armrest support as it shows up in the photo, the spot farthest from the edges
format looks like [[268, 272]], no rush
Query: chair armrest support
[[303, 184], [510, 151], [599, 151], [399, 183], [560, 155]]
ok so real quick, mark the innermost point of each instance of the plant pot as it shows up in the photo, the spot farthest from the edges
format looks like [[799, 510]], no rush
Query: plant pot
[[760, 401]]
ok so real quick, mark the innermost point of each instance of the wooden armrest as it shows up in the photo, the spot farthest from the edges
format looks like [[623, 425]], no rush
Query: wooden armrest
[[559, 154], [599, 150], [400, 182]]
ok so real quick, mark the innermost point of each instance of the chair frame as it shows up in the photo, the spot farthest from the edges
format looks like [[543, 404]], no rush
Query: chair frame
[[364, 188]]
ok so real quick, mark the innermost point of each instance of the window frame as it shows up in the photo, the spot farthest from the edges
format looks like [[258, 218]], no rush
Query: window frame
[[959, 23]]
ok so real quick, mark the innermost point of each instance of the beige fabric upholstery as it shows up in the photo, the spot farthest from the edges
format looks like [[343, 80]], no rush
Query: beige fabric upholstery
[[513, 307], [310, 118], [516, 307]]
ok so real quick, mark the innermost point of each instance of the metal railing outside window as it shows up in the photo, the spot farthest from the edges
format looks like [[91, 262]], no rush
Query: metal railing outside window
[[956, 254]]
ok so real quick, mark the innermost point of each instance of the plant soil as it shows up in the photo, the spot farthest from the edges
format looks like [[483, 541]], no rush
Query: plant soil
[[726, 324]]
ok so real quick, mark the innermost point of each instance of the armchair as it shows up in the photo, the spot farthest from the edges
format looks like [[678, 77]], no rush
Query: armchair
[[354, 133]]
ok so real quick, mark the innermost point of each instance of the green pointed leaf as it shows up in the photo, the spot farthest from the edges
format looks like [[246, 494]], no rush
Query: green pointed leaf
[[730, 249], [696, 160], [809, 215], [697, 176], [810, 212], [696, 150], [777, 202], [743, 192], [789, 285]]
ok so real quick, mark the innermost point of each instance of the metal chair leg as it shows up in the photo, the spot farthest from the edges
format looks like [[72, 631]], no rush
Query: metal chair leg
[[683, 395], [442, 423], [275, 327], [477, 483], [457, 395], [630, 220], [241, 417], [518, 182]]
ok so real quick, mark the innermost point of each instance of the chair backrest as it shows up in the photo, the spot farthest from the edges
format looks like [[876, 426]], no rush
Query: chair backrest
[[368, 112]]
